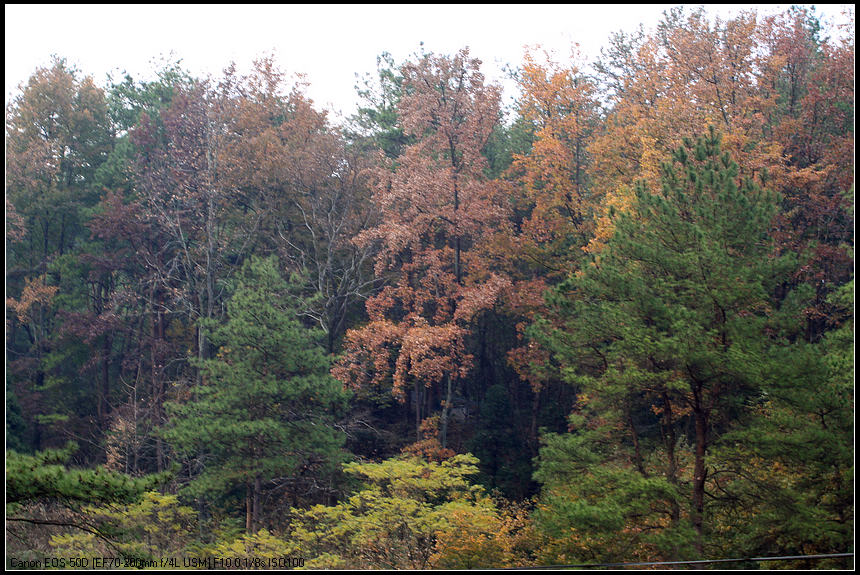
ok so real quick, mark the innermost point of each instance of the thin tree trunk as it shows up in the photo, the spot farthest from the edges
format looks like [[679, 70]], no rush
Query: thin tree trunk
[[533, 435], [418, 403], [249, 523], [255, 520], [669, 441], [699, 475], [104, 395], [446, 409]]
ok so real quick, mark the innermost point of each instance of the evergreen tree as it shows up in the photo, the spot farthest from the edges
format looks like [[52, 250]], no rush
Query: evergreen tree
[[665, 335], [43, 476], [786, 481], [264, 413], [42, 493]]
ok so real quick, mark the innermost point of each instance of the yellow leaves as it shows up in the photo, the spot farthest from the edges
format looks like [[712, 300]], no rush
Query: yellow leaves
[[651, 157], [485, 536], [621, 201]]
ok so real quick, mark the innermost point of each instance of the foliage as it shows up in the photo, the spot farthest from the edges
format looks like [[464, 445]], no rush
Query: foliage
[[436, 206], [411, 514], [666, 331], [472, 280], [43, 476], [265, 411], [43, 496], [157, 526]]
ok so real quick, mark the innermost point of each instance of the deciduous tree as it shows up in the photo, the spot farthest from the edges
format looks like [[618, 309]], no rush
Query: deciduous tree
[[436, 205]]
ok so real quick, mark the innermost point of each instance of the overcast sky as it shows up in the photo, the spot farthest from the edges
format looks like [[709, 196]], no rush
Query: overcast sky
[[328, 43]]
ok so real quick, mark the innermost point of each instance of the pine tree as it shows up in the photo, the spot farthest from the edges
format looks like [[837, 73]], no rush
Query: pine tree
[[44, 493], [665, 335], [264, 413]]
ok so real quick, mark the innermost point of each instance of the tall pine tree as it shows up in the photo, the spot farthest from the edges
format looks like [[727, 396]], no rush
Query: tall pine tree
[[665, 335], [264, 414]]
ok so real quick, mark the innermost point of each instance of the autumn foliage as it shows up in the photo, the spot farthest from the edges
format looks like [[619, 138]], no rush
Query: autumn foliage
[[630, 293]]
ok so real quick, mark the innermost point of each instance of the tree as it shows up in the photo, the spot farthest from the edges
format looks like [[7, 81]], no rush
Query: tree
[[435, 207], [377, 120], [153, 527], [42, 492], [410, 514], [302, 190], [264, 415], [551, 177], [781, 94], [814, 80], [666, 330], [553, 208], [58, 135], [693, 72], [785, 475]]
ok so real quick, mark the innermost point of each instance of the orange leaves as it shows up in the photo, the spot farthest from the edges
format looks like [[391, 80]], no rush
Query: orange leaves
[[479, 297], [748, 76], [368, 354], [428, 353], [399, 353], [430, 447], [35, 295], [559, 103], [436, 206]]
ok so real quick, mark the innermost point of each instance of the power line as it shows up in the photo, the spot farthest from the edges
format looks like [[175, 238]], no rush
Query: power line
[[690, 562]]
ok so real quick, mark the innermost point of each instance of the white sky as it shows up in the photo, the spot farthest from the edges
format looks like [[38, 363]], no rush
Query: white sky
[[328, 43]]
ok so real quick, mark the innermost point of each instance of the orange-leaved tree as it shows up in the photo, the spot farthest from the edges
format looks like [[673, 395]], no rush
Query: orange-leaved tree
[[554, 205], [436, 205]]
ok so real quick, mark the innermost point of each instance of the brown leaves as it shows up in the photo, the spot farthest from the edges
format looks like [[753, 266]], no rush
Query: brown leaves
[[436, 206], [430, 447], [35, 296]]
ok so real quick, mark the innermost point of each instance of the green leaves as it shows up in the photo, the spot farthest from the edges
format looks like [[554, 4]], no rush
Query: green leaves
[[665, 335], [267, 404], [44, 477]]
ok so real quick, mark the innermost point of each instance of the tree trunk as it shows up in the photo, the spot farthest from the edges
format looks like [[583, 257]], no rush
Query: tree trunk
[[446, 409], [699, 474], [418, 403], [258, 486], [104, 393], [249, 513], [669, 441], [533, 427]]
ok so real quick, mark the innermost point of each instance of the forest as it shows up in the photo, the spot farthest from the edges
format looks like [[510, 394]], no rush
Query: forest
[[611, 323]]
